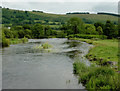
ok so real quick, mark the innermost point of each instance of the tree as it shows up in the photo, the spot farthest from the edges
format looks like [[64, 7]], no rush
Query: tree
[[109, 29], [21, 33], [75, 24], [47, 30], [28, 33], [97, 24], [90, 29], [100, 30], [8, 33], [15, 34], [17, 28], [26, 26], [38, 31]]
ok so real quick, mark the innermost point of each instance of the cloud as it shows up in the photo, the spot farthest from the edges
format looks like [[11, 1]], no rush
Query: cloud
[[106, 7], [63, 7], [60, 1]]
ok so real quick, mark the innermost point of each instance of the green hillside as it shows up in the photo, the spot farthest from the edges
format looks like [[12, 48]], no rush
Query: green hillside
[[17, 17]]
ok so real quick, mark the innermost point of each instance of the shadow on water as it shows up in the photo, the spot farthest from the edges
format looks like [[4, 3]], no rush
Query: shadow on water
[[73, 46], [72, 54], [72, 43], [35, 42]]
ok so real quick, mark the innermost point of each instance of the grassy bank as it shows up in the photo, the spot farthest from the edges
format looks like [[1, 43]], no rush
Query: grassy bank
[[7, 42], [17, 41], [96, 78], [105, 54]]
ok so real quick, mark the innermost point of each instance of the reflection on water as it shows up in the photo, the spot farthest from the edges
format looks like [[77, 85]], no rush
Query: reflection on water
[[24, 68]]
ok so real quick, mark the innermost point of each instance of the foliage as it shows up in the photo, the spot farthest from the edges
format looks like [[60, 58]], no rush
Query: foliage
[[97, 24], [100, 30], [61, 34], [24, 40], [75, 24], [46, 46], [38, 31], [109, 30], [85, 36], [96, 78], [42, 48], [5, 42], [108, 14], [7, 32], [90, 29], [18, 17]]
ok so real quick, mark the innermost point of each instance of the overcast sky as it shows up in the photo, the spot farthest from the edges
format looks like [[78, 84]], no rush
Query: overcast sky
[[63, 6]]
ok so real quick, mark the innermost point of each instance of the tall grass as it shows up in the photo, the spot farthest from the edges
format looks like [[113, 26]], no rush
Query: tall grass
[[97, 78], [42, 48], [5, 42], [24, 40]]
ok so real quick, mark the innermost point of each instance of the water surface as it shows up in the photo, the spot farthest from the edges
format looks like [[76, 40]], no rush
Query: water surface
[[24, 68]]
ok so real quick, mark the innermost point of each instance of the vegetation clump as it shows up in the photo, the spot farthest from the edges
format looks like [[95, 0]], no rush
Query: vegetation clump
[[42, 48], [86, 36], [96, 78], [24, 40]]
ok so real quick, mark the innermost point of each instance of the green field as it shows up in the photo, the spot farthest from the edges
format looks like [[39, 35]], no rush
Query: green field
[[103, 76], [106, 50], [86, 17], [16, 16]]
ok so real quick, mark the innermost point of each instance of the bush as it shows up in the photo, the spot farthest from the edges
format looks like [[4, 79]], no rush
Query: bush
[[96, 77], [70, 36], [46, 46], [28, 36], [5, 42], [24, 40], [87, 36]]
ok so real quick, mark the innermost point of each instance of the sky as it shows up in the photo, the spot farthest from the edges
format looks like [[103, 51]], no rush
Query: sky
[[63, 6]]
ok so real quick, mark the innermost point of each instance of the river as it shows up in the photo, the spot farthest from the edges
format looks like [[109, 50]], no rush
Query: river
[[24, 68]]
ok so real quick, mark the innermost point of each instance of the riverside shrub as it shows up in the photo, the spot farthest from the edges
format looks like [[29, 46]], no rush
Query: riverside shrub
[[87, 36], [96, 78]]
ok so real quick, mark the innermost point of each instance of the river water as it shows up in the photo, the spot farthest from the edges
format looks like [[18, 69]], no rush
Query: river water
[[25, 68]]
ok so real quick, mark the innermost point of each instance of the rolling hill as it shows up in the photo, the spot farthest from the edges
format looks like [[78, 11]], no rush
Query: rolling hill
[[18, 17]]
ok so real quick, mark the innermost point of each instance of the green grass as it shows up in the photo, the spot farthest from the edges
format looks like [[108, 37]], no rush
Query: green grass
[[17, 41], [103, 52], [42, 17], [106, 49], [89, 17], [95, 17], [103, 76], [42, 48], [96, 78], [54, 26]]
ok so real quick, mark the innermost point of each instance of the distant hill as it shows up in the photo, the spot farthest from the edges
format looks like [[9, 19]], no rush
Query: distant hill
[[17, 17]]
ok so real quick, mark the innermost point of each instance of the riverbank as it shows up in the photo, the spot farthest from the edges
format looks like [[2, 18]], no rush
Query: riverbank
[[7, 42], [104, 52], [105, 55]]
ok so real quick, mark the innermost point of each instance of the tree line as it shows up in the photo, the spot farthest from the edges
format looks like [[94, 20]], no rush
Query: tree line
[[77, 26], [103, 13], [74, 27], [31, 31], [78, 13]]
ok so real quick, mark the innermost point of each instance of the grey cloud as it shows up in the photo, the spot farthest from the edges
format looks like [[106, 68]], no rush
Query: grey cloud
[[106, 7], [60, 7]]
